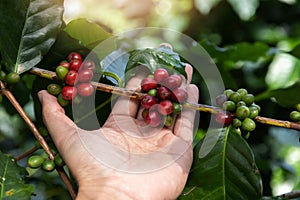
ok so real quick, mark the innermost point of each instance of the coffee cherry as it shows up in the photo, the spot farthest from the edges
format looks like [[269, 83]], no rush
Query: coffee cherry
[[168, 121], [35, 161], [85, 75], [220, 99], [153, 118], [48, 165], [235, 97], [12, 78], [236, 122], [228, 92], [88, 64], [165, 107], [58, 160], [242, 112], [145, 112], [236, 130], [177, 108], [148, 84], [229, 106], [152, 92], [74, 56], [248, 99], [43, 131], [298, 107], [253, 112], [248, 125], [85, 89], [172, 82], [295, 116], [148, 101], [62, 101], [61, 72], [71, 77], [257, 106], [65, 64], [240, 103], [163, 93], [77, 99], [75, 65], [179, 95], [160, 75], [54, 89], [242, 92], [69, 92], [223, 118], [2, 75]]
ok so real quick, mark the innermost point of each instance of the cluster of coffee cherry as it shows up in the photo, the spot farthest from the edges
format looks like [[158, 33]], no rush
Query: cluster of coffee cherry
[[295, 114], [41, 160], [239, 110], [10, 78], [77, 76], [163, 97]]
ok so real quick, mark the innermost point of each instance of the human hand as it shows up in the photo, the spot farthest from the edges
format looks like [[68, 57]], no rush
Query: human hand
[[125, 159]]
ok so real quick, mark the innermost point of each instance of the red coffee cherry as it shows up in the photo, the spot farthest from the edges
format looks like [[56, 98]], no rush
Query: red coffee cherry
[[88, 64], [172, 82], [179, 95], [148, 101], [148, 84], [68, 92], [163, 93], [85, 75], [223, 118], [71, 77], [74, 56], [75, 65], [85, 89], [160, 75], [153, 118], [165, 107], [65, 64]]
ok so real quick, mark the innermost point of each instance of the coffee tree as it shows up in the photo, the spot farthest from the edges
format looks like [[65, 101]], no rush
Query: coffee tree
[[39, 51]]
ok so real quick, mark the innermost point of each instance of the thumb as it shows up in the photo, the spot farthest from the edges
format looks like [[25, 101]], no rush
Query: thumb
[[60, 127]]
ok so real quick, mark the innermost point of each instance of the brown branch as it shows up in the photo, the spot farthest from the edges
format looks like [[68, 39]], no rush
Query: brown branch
[[27, 153], [63, 175], [290, 195], [4, 91], [137, 95]]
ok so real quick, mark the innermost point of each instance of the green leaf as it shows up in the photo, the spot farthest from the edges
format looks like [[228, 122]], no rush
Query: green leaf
[[12, 182], [296, 51], [244, 8], [28, 30], [223, 168], [89, 34]]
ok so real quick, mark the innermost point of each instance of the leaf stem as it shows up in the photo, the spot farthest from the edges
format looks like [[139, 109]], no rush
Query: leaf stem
[[137, 95], [27, 153]]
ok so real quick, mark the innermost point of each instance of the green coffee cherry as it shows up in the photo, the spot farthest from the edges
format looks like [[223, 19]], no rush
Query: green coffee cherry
[[168, 121], [248, 125], [242, 92], [240, 103], [246, 135], [2, 75], [177, 108], [48, 165], [54, 89], [228, 92], [236, 130], [298, 107], [59, 161], [242, 112], [235, 97], [257, 106], [12, 78], [253, 112], [229, 106], [61, 72], [35, 161], [62, 101], [43, 131], [152, 92], [248, 99], [295, 116], [236, 122]]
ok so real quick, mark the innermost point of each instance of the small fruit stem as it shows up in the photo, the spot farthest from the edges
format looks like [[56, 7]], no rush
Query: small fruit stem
[[27, 153], [137, 95]]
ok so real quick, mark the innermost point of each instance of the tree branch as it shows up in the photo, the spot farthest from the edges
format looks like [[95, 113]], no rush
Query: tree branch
[[290, 195]]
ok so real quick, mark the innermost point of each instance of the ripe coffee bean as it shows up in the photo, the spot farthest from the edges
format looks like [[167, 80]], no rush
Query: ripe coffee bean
[[61, 72], [153, 118], [148, 84], [220, 99], [223, 118], [179, 95], [88, 64], [148, 101], [160, 75], [248, 99], [85, 75], [242, 112], [65, 64], [48, 165], [85, 89], [229, 106], [71, 77], [165, 107], [35, 161], [295, 116], [145, 113], [54, 89], [62, 101], [172, 82], [163, 93], [248, 125], [74, 56], [75, 65], [69, 92], [12, 78]]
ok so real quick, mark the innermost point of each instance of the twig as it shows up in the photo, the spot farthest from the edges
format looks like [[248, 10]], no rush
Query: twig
[[63, 175], [4, 91], [291, 195], [27, 153], [137, 95]]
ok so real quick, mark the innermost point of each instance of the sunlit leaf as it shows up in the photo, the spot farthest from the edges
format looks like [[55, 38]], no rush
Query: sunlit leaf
[[244, 8], [28, 30], [205, 6]]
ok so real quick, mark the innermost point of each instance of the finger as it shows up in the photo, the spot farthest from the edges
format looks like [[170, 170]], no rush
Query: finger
[[60, 127], [184, 125], [189, 72], [125, 105]]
